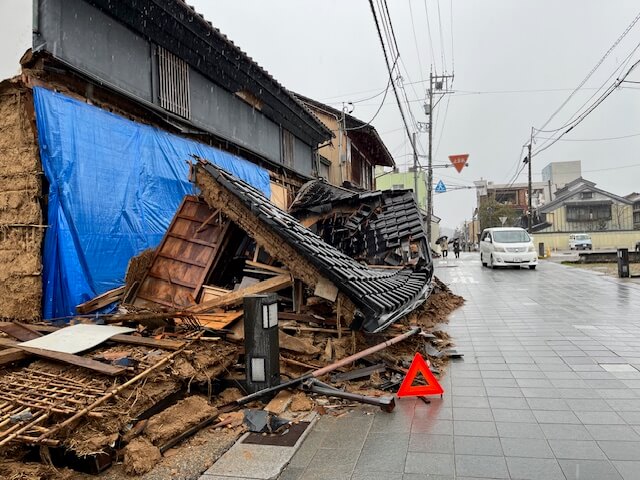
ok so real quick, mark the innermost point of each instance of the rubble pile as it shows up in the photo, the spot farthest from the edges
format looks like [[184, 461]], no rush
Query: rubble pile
[[167, 360]]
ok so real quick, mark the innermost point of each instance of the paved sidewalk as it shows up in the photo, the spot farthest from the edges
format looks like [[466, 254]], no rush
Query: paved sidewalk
[[549, 388]]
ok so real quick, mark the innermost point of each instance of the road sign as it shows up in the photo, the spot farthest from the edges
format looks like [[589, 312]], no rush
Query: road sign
[[441, 187], [407, 389], [459, 161], [502, 220]]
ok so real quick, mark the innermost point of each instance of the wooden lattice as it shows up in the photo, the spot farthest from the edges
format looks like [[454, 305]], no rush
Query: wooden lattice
[[30, 396]]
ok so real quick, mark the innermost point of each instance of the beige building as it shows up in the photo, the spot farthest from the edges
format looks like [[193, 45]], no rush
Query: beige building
[[635, 198], [353, 153], [582, 207]]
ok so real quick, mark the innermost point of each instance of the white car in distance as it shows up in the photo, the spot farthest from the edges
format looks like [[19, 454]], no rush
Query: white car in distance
[[504, 247]]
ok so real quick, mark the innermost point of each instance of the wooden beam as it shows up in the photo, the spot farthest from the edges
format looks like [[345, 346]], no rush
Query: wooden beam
[[19, 331], [235, 298], [64, 358], [101, 300], [264, 266], [76, 360], [11, 355]]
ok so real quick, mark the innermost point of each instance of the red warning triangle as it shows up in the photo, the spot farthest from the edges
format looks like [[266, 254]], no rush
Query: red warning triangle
[[432, 387]]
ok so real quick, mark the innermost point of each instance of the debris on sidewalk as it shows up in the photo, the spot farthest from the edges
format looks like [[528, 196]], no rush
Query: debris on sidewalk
[[165, 366]]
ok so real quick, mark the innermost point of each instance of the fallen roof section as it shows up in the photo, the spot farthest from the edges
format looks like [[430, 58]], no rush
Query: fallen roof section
[[378, 227], [375, 298]]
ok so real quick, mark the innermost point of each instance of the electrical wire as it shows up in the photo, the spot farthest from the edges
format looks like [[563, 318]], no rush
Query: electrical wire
[[586, 79], [381, 104], [444, 64], [592, 139], [415, 39], [386, 58], [584, 115], [387, 18], [573, 117], [453, 66], [433, 56], [444, 120]]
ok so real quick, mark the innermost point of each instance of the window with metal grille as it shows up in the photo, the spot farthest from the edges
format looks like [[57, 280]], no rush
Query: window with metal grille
[[173, 83]]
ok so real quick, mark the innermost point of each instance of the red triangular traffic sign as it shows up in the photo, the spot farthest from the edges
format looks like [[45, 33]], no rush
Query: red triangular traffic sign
[[407, 389], [459, 161]]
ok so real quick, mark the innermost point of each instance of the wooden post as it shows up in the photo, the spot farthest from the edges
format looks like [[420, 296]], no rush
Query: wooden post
[[338, 324], [298, 288]]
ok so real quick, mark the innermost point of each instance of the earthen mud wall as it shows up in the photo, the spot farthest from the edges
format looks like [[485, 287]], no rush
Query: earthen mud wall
[[21, 216]]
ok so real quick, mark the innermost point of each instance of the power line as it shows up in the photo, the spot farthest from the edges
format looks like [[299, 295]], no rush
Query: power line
[[444, 120], [415, 39], [386, 59], [386, 19], [615, 44], [592, 139], [573, 117], [633, 165], [457, 93], [453, 67], [426, 11], [444, 64], [584, 115], [379, 108]]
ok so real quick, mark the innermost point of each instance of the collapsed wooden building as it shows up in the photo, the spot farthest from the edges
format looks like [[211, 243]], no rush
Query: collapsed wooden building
[[100, 222]]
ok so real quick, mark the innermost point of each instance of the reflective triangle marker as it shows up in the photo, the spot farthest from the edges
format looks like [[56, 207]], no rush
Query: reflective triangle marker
[[407, 389]]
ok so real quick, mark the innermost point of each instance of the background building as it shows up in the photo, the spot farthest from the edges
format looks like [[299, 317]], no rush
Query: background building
[[354, 150], [558, 174]]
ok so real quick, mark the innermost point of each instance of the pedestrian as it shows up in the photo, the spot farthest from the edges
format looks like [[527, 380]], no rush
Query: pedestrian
[[456, 248], [445, 247]]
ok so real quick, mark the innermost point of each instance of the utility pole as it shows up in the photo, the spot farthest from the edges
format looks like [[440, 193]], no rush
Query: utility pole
[[530, 189], [415, 169], [430, 161], [438, 85]]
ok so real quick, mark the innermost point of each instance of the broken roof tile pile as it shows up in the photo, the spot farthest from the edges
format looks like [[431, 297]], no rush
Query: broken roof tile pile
[[368, 226], [382, 296]]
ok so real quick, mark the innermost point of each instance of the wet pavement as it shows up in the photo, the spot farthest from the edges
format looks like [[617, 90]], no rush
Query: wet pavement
[[549, 388]]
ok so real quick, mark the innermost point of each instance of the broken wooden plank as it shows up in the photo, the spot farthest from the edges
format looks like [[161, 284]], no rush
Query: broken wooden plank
[[218, 321], [234, 298], [11, 355], [264, 266], [19, 331], [210, 292], [76, 360], [64, 357], [101, 300], [147, 342], [306, 317]]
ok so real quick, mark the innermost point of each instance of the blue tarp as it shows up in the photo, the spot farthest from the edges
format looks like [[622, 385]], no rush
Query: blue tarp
[[114, 186]]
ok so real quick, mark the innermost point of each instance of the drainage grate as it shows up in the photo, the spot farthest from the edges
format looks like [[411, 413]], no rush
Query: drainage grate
[[289, 439]]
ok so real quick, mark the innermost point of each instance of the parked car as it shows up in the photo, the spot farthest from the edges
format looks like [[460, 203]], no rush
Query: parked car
[[503, 247], [580, 241]]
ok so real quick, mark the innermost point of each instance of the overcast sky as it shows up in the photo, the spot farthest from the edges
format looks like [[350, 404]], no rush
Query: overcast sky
[[515, 62]]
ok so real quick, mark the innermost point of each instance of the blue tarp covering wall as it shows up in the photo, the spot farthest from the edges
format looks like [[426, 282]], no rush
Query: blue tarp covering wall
[[114, 186]]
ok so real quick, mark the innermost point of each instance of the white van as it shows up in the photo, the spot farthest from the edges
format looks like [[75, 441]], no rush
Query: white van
[[503, 247], [579, 241]]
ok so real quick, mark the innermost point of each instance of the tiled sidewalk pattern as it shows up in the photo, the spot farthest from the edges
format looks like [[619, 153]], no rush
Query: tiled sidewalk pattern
[[549, 389]]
